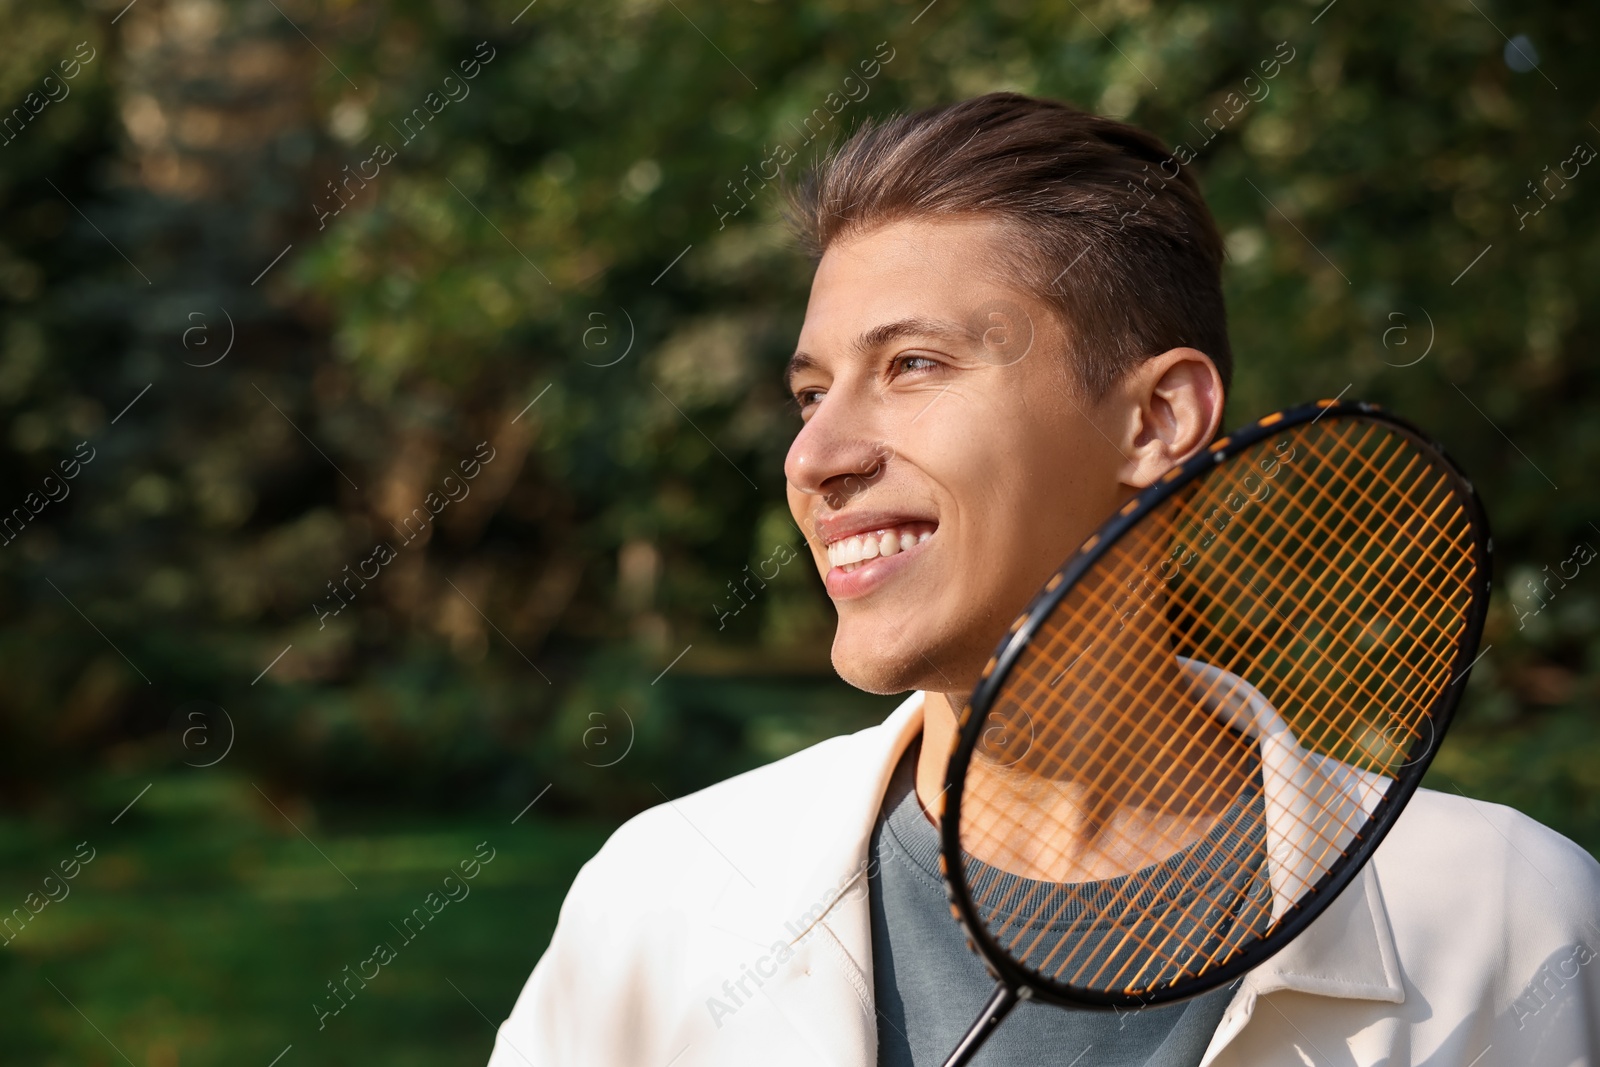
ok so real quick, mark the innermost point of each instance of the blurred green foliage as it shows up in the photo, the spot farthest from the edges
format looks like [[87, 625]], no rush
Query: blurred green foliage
[[551, 235]]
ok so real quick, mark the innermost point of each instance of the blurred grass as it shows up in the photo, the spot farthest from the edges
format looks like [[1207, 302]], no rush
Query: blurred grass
[[206, 926]]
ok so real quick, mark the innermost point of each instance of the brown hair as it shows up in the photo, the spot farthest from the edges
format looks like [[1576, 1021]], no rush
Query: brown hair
[[1125, 251]]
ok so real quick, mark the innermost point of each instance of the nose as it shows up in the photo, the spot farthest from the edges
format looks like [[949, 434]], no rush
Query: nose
[[837, 453]]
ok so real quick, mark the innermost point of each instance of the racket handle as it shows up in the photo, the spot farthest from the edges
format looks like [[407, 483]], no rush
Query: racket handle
[[999, 1006]]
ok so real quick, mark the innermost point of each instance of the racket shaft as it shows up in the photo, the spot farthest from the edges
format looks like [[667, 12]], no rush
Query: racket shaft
[[999, 1006]]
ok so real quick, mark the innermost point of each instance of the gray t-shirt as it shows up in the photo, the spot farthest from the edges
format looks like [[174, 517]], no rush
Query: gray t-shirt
[[930, 986]]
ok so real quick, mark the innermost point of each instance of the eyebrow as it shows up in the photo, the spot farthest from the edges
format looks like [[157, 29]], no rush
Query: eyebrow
[[881, 335]]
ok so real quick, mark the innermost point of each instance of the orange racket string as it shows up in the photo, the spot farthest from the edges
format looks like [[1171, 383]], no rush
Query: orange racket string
[[1329, 563], [1136, 695], [1223, 770], [1366, 536], [1132, 887]]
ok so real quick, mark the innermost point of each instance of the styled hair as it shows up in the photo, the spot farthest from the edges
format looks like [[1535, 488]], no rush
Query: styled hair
[[1102, 222]]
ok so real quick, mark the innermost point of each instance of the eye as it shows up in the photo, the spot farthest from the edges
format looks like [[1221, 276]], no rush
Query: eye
[[912, 363], [805, 399]]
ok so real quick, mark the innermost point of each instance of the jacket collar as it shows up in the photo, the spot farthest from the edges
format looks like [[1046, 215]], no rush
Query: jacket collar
[[1348, 950]]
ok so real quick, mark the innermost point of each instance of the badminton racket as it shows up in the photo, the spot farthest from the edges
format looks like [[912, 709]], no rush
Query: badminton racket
[[1200, 729]]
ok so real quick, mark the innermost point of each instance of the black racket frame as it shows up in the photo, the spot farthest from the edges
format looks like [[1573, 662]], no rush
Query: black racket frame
[[1020, 983]]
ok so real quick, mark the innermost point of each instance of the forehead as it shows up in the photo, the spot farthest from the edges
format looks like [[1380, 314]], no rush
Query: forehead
[[935, 270], [940, 281]]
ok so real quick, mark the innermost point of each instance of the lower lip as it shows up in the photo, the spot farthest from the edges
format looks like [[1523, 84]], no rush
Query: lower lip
[[847, 585]]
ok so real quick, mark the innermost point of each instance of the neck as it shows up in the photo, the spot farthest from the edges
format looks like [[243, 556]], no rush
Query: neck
[[1100, 832], [940, 712]]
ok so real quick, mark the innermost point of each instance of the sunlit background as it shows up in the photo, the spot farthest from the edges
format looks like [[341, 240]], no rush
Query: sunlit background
[[392, 440]]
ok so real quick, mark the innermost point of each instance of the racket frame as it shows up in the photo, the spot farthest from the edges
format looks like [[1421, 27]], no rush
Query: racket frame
[[1315, 901]]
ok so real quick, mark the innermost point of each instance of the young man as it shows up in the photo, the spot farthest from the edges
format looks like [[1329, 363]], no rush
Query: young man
[[1016, 323]]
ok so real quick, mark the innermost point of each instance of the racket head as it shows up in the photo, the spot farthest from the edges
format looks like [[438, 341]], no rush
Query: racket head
[[1430, 649]]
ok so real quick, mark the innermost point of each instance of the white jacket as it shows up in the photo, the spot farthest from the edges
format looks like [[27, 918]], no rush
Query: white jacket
[[730, 927]]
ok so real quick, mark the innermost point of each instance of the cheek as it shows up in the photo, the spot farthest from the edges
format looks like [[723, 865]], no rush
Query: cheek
[[983, 476], [1072, 490]]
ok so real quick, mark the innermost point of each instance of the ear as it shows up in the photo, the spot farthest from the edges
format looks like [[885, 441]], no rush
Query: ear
[[1172, 405]]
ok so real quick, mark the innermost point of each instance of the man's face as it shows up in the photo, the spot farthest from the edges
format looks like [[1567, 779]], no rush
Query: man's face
[[948, 461]]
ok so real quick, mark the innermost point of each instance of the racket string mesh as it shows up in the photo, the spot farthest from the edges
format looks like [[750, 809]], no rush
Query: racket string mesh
[[1202, 726]]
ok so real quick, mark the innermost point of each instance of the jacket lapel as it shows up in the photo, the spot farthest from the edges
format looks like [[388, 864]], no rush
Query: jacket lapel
[[1347, 952], [825, 992]]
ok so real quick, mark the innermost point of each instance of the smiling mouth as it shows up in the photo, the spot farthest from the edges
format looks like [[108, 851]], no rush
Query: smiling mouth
[[849, 553]]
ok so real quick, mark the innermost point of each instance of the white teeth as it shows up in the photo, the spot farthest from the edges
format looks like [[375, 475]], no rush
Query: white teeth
[[850, 551]]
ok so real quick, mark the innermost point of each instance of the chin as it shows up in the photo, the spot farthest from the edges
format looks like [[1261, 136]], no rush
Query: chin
[[866, 664], [863, 661], [881, 679]]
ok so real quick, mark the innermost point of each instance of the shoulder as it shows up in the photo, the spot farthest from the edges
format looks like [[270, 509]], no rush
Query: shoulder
[[1452, 866], [1477, 838], [752, 828], [673, 901]]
